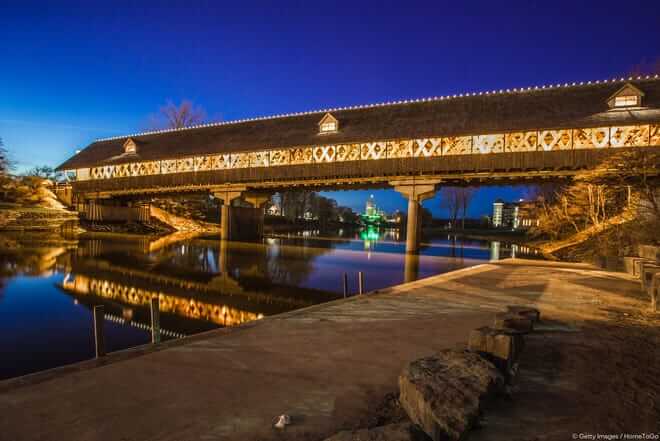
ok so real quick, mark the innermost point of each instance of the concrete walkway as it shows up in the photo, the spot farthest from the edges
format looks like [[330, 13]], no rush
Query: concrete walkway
[[327, 365]]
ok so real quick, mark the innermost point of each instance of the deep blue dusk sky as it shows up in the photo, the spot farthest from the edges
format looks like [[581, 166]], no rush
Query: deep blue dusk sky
[[74, 72]]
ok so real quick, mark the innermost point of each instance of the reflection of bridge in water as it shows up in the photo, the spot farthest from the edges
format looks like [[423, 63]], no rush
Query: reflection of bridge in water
[[226, 285]]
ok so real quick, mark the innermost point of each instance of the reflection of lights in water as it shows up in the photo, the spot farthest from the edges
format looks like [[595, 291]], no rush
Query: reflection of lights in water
[[495, 250], [370, 236], [144, 327], [127, 313], [190, 308]]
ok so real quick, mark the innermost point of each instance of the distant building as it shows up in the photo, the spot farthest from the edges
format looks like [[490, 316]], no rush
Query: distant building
[[498, 212], [370, 207], [514, 215]]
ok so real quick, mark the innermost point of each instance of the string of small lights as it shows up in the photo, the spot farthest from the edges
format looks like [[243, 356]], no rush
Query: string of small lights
[[390, 103]]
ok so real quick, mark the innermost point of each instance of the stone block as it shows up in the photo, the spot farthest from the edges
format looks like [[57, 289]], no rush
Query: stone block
[[390, 432], [444, 393], [650, 252], [629, 264], [646, 274], [525, 311], [501, 346], [507, 320], [638, 262]]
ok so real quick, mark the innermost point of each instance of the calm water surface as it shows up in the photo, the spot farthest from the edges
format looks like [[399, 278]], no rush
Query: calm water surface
[[48, 285]]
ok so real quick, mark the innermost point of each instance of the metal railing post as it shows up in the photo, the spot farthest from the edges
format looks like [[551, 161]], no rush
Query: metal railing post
[[99, 338], [155, 320]]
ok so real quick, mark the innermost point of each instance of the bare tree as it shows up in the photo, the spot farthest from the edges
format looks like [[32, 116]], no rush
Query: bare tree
[[546, 192], [186, 114], [623, 184], [450, 200], [44, 171], [456, 200], [6, 165], [465, 195]]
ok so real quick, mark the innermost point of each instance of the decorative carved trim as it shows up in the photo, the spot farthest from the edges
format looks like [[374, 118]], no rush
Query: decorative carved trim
[[486, 144]]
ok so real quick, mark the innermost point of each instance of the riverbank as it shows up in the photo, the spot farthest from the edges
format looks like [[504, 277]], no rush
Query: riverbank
[[331, 366]]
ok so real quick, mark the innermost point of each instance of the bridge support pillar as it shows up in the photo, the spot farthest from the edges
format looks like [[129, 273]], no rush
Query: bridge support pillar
[[227, 195], [416, 191], [257, 200], [411, 268]]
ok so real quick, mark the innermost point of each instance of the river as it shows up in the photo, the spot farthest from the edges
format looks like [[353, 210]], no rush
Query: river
[[49, 285]]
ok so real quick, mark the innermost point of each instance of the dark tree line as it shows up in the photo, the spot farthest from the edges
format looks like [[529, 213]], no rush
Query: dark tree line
[[295, 204]]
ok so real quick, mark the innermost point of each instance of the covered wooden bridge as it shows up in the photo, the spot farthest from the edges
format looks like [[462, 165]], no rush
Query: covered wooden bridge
[[414, 146]]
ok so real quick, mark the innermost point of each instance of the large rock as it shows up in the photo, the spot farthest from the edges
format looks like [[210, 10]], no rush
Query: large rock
[[444, 393], [390, 432]]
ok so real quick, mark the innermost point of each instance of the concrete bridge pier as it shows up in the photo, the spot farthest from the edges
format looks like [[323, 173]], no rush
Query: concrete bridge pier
[[227, 195], [258, 201], [410, 268], [416, 191]]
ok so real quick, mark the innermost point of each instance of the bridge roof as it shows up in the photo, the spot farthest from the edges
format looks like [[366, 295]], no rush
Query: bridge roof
[[568, 106]]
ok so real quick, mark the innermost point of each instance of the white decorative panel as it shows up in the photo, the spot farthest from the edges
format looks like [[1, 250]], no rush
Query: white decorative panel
[[630, 136], [302, 156], [185, 165], [457, 145], [260, 159], [348, 152], [426, 147], [488, 144], [324, 154], [555, 140], [219, 162], [108, 171], [521, 141], [150, 168], [655, 135], [240, 160], [168, 166], [598, 137], [399, 149], [373, 150], [96, 173], [280, 157], [82, 174], [203, 163], [134, 168]]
